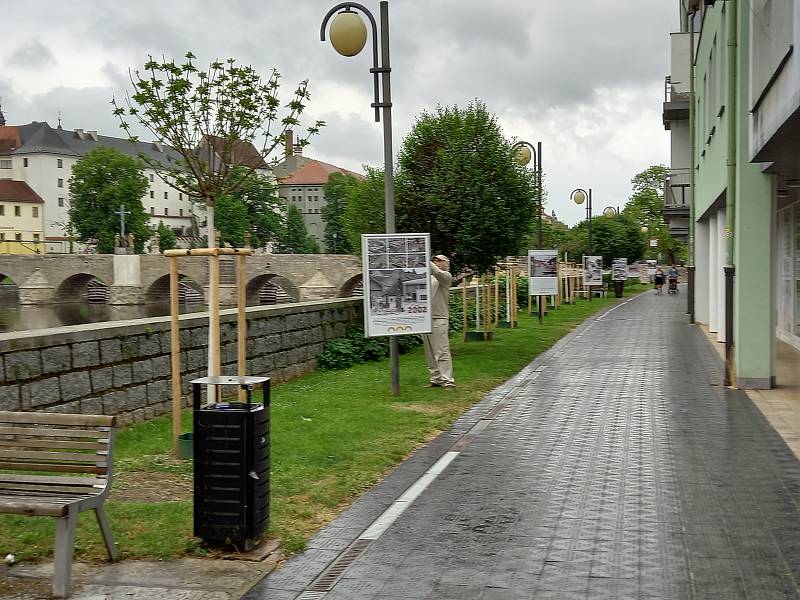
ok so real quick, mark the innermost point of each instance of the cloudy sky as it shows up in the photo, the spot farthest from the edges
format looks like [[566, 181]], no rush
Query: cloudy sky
[[584, 77]]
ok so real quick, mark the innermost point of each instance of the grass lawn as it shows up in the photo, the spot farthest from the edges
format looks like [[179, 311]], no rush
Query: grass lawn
[[334, 435]]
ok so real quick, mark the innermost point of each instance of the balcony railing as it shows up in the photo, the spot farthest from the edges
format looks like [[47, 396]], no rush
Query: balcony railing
[[677, 189], [671, 94]]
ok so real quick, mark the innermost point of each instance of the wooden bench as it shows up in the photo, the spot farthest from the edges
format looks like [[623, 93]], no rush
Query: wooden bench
[[57, 465]]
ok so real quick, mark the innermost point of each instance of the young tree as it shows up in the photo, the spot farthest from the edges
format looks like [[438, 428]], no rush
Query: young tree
[[458, 179], [365, 207], [296, 239], [167, 240], [209, 120], [102, 181], [336, 190]]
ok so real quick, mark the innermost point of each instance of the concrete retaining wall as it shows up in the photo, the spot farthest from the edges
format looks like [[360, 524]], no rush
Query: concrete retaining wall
[[123, 367]]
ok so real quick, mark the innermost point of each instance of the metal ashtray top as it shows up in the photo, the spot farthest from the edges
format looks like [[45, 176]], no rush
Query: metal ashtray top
[[229, 380]]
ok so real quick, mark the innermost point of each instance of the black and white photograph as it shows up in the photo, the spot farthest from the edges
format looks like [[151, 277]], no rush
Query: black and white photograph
[[619, 269], [543, 272], [593, 270], [396, 301]]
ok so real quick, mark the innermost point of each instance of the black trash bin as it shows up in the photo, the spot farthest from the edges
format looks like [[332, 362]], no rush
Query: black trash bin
[[618, 285], [231, 465]]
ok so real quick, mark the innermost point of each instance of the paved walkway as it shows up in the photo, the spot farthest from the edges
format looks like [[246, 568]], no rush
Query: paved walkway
[[614, 466]]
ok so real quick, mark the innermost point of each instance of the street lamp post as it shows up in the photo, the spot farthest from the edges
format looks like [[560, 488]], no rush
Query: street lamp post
[[348, 36], [611, 213], [579, 196], [525, 151]]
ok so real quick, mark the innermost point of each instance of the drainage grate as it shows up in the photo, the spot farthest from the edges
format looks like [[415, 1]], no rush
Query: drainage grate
[[312, 595], [330, 576]]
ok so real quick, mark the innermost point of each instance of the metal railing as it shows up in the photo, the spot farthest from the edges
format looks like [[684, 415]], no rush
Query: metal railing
[[677, 188], [670, 94]]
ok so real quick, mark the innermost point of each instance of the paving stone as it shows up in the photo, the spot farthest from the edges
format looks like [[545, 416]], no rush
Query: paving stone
[[614, 466]]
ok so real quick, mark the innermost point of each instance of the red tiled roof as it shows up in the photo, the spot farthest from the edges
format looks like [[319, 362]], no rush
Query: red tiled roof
[[315, 172], [9, 139], [18, 191]]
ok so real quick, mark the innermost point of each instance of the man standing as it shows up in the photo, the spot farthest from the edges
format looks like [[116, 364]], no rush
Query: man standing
[[437, 343]]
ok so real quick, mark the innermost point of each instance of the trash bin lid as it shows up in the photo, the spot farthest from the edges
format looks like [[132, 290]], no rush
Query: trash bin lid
[[230, 380]]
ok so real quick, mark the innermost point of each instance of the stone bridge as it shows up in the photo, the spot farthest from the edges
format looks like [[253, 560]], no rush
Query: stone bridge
[[137, 279]]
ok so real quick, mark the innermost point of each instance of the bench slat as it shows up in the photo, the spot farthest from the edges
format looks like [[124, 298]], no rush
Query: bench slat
[[100, 433], [20, 442], [67, 457], [57, 468], [57, 419], [45, 491], [53, 479], [41, 509]]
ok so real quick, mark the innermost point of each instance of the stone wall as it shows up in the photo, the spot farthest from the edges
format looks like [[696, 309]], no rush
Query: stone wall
[[123, 367]]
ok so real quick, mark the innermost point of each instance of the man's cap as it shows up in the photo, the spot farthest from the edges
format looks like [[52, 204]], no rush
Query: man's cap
[[442, 257]]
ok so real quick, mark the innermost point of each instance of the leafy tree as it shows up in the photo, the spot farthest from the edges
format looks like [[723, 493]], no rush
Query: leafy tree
[[232, 221], [167, 240], [611, 238], [263, 212], [336, 190], [644, 208], [296, 239], [458, 179], [365, 210], [209, 120], [554, 235], [102, 181]]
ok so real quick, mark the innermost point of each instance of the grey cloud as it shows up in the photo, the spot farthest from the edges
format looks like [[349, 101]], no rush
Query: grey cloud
[[33, 54]]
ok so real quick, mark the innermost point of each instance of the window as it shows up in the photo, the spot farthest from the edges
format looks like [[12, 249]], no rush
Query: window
[[5, 164], [18, 237], [17, 211], [24, 162], [166, 211], [152, 194], [152, 210], [180, 196], [35, 237], [180, 212], [152, 178], [166, 195], [35, 211], [2, 210], [61, 183], [61, 203], [2, 236], [60, 163]]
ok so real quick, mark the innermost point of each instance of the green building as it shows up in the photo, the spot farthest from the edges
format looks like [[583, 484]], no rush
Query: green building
[[732, 106]]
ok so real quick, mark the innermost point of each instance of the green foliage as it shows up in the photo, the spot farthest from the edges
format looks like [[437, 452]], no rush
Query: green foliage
[[264, 210], [644, 208], [296, 239], [230, 220], [102, 181], [167, 240], [554, 235], [336, 190], [458, 179], [354, 349], [207, 117], [365, 210], [611, 238]]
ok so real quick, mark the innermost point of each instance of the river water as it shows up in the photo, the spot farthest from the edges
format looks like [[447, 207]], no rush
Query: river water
[[14, 317]]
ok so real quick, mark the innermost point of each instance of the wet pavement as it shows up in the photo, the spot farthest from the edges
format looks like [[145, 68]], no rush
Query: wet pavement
[[614, 466]]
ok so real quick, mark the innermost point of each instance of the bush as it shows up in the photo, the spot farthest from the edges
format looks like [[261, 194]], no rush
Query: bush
[[354, 348]]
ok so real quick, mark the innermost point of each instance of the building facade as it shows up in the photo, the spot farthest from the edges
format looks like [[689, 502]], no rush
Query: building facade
[[21, 218], [42, 157], [743, 92]]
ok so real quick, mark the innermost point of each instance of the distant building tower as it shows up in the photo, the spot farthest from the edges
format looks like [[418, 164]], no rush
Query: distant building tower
[[2, 118]]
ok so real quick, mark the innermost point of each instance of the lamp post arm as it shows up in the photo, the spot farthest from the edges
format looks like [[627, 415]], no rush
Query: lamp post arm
[[375, 68]]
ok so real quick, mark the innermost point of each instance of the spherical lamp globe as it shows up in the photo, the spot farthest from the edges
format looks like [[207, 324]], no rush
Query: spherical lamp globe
[[523, 155], [579, 197], [610, 212], [348, 33]]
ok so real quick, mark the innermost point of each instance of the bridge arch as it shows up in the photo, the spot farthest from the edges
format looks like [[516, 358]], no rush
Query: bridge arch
[[9, 291], [82, 287], [189, 291], [271, 288], [353, 287]]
